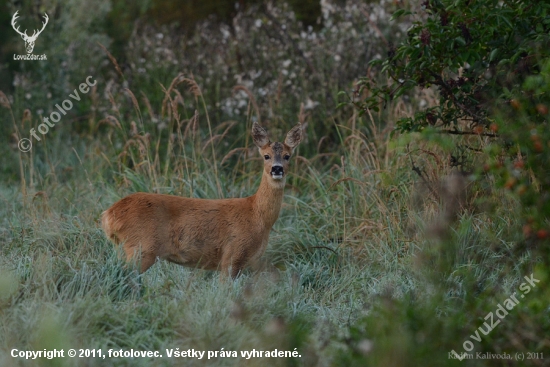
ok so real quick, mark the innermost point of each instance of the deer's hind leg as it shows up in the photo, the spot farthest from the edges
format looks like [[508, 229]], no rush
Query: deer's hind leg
[[143, 259]]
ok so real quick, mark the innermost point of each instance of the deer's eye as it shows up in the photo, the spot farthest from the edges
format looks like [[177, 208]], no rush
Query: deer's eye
[[266, 157], [287, 157]]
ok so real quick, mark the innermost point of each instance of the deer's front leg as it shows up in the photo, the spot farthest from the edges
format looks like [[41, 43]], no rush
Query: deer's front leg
[[233, 263]]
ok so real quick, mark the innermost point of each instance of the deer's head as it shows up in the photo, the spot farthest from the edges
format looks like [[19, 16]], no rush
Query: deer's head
[[276, 155], [29, 40]]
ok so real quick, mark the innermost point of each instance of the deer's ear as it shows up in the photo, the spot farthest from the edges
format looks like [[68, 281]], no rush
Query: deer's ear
[[259, 135], [294, 136]]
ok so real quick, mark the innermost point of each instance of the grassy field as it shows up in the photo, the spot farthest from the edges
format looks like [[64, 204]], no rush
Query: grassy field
[[368, 264]]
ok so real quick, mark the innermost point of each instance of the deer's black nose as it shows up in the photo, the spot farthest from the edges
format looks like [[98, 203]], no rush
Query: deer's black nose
[[277, 170]]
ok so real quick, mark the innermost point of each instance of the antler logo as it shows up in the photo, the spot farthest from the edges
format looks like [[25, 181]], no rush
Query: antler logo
[[29, 40]]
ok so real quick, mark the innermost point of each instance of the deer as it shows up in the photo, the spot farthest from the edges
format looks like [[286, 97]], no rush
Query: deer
[[212, 234], [29, 40]]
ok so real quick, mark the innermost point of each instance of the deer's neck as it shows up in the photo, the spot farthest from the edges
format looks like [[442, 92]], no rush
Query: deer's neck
[[268, 200]]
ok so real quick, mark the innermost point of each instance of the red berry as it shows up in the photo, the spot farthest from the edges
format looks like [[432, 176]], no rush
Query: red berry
[[542, 109]]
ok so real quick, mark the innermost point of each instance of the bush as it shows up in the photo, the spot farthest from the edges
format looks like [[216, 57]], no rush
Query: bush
[[489, 64]]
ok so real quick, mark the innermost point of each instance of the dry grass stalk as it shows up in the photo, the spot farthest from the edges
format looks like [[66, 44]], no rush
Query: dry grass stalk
[[136, 106], [114, 106], [192, 125], [175, 112], [113, 60], [133, 129], [4, 101], [148, 106], [111, 121], [250, 97], [27, 117], [231, 153]]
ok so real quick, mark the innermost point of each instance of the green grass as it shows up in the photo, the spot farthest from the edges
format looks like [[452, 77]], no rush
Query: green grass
[[345, 238]]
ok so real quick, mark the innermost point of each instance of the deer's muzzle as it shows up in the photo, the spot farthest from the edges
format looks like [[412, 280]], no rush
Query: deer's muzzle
[[277, 172]]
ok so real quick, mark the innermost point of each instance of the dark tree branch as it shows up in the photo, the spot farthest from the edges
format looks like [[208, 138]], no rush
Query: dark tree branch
[[456, 132], [418, 171]]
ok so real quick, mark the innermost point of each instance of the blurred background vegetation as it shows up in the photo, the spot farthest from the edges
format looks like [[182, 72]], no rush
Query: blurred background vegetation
[[418, 201]]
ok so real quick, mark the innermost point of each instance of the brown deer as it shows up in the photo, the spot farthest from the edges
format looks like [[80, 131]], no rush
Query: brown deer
[[224, 234]]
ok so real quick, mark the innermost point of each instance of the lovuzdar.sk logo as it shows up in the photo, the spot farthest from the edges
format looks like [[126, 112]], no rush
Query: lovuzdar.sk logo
[[29, 40]]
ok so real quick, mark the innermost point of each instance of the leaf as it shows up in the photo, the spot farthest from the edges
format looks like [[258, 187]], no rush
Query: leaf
[[505, 20], [493, 54], [375, 62], [503, 62], [400, 13]]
